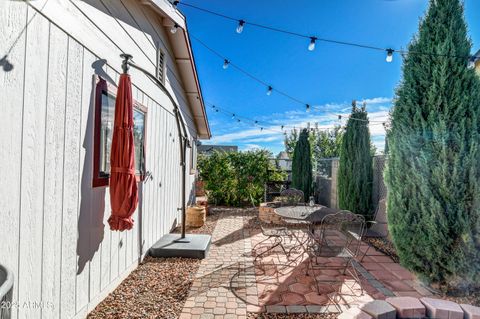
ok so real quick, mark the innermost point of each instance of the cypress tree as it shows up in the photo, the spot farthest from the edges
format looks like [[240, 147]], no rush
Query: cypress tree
[[432, 173], [302, 165], [355, 172]]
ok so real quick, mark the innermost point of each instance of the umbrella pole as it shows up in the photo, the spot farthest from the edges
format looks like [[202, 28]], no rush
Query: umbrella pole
[[182, 130], [183, 163], [184, 169]]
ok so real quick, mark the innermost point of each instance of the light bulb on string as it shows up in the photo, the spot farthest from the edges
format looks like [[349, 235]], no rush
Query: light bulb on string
[[269, 90], [225, 64], [240, 25], [307, 108], [233, 116], [311, 45], [175, 3], [261, 129], [389, 57], [174, 28]]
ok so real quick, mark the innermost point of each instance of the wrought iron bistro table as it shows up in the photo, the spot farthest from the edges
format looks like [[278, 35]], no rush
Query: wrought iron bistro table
[[309, 214], [304, 215]]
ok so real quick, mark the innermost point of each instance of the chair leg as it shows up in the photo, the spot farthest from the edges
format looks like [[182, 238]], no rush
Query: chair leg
[[283, 248], [309, 265], [365, 253], [276, 243], [353, 272]]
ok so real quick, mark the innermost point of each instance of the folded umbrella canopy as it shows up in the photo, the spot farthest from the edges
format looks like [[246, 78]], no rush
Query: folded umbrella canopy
[[123, 185]]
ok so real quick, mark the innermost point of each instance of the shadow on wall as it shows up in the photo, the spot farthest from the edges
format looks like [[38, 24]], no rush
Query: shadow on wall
[[98, 69], [137, 16], [5, 64], [91, 229]]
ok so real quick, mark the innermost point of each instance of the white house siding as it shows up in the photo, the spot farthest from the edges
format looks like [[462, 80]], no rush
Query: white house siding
[[54, 233]]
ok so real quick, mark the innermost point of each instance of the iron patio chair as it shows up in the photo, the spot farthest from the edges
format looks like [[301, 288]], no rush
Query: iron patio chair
[[276, 233], [273, 233], [339, 236], [292, 197]]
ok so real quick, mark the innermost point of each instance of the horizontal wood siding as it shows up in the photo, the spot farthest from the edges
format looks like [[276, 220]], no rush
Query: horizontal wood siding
[[54, 233]]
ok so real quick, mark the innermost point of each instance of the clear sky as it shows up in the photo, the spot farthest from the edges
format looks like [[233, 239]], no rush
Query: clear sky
[[328, 78]]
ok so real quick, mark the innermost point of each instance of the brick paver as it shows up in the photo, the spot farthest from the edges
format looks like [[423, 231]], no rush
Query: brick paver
[[442, 309], [471, 312], [228, 284], [225, 281], [354, 313], [379, 309], [407, 307]]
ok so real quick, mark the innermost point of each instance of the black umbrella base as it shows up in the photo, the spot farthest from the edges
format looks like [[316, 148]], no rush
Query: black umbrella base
[[192, 246]]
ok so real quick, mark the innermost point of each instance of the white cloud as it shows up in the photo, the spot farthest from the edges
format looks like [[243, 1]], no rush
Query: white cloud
[[250, 147], [255, 132], [271, 137], [265, 139], [377, 100]]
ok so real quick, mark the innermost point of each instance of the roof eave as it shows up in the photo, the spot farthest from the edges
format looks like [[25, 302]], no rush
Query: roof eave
[[172, 16]]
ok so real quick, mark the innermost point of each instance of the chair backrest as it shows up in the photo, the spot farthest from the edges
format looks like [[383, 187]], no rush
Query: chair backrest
[[345, 229], [292, 196]]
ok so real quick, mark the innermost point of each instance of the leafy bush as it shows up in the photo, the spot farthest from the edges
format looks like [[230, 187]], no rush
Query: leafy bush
[[237, 178], [323, 144]]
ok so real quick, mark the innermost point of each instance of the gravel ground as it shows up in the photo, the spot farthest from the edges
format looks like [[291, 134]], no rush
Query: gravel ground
[[212, 216], [385, 246], [471, 299], [158, 287]]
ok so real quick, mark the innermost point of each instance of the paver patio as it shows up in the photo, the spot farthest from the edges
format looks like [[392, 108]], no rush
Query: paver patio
[[228, 284]]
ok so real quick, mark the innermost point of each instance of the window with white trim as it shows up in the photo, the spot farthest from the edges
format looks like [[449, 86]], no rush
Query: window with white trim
[[104, 119]]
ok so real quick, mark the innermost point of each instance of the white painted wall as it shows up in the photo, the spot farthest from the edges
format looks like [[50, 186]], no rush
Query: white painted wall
[[54, 233]]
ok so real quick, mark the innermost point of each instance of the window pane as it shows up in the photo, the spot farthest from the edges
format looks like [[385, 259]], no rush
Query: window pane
[[138, 137], [106, 134], [106, 131]]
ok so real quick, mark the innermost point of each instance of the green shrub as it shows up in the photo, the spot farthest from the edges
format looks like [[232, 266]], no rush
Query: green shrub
[[432, 173], [355, 171], [237, 178]]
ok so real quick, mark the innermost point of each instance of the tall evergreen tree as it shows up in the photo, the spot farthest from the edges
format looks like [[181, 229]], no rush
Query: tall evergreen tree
[[434, 160], [355, 172], [302, 165]]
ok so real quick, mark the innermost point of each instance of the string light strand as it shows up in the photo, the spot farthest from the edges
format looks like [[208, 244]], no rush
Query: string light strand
[[314, 39]]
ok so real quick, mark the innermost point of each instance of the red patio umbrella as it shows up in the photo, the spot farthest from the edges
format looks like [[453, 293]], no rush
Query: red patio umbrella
[[123, 185]]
